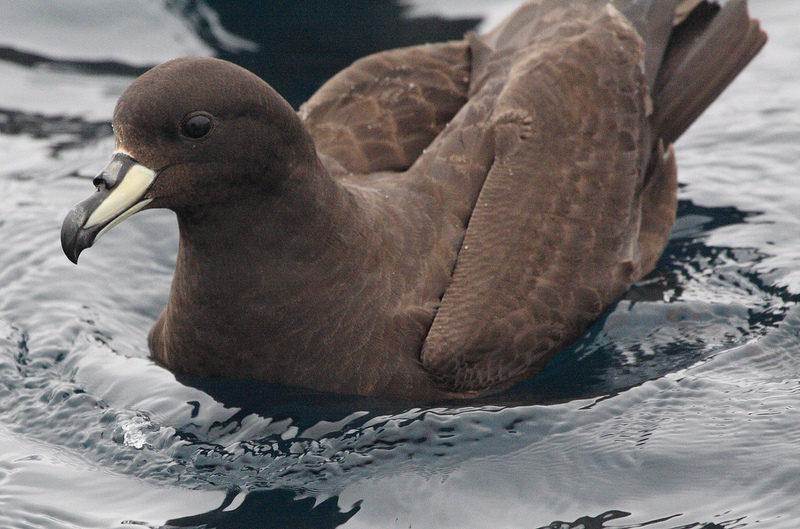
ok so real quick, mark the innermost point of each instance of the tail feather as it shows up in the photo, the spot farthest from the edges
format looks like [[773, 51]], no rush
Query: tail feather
[[706, 52]]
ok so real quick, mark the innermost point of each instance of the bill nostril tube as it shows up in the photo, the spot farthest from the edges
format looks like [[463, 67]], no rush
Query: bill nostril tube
[[103, 179], [109, 176]]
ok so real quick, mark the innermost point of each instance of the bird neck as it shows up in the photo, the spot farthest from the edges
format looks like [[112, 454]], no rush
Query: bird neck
[[263, 230]]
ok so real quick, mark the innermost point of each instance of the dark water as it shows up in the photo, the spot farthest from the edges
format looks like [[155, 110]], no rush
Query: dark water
[[681, 409]]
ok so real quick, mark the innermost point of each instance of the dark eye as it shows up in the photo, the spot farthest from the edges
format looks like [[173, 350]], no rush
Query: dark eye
[[196, 126]]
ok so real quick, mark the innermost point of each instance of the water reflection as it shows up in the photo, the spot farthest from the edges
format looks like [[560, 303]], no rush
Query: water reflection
[[34, 60], [304, 408], [272, 509], [589, 522], [63, 132]]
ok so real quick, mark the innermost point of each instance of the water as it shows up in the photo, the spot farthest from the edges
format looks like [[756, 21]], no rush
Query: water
[[681, 409]]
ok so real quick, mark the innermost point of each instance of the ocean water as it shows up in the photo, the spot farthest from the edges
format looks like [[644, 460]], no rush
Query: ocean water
[[680, 409]]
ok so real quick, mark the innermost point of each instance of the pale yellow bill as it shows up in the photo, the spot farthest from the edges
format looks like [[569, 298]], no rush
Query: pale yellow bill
[[124, 200]]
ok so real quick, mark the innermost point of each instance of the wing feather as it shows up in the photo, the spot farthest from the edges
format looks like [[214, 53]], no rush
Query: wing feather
[[383, 110], [554, 235]]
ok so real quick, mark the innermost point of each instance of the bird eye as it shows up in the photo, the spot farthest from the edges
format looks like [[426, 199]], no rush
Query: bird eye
[[196, 126]]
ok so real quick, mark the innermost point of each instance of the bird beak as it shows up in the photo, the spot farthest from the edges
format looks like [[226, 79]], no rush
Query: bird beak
[[121, 185]]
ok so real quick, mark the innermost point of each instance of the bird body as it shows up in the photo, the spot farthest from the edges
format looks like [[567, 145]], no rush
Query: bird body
[[436, 221]]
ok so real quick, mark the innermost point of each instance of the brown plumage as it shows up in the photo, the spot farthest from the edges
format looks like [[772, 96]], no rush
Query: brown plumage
[[440, 220]]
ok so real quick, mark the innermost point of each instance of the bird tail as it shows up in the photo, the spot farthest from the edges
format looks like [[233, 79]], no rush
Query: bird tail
[[705, 52]]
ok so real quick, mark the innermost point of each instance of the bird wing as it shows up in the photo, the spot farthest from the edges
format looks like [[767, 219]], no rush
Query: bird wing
[[553, 238], [383, 110]]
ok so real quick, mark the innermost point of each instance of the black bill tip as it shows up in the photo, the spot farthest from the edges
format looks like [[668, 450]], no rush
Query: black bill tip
[[74, 237]]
